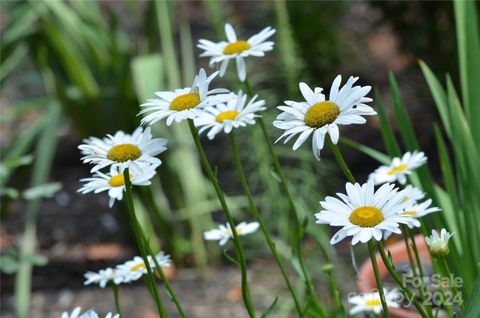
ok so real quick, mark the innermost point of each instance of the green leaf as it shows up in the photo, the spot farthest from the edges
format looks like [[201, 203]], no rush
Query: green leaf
[[46, 190], [375, 154], [468, 43], [147, 75], [230, 258], [472, 307], [9, 192], [404, 122], [387, 133], [270, 308], [35, 259]]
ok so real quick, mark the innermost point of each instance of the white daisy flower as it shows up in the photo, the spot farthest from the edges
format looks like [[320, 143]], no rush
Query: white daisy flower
[[363, 212], [183, 103], [88, 314], [318, 115], [413, 194], [238, 49], [371, 302], [438, 243], [224, 232], [235, 113], [135, 268], [418, 210], [114, 183], [103, 277], [399, 168], [123, 149]]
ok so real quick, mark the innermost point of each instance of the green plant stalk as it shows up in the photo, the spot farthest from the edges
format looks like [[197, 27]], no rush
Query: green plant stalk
[[137, 233], [423, 290], [409, 250], [334, 290], [341, 162], [260, 220], [164, 278], [397, 280], [453, 287], [117, 298], [378, 279], [247, 299], [298, 224]]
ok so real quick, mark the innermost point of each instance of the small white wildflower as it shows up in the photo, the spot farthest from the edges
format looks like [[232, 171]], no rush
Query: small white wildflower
[[438, 243], [399, 168], [224, 232]]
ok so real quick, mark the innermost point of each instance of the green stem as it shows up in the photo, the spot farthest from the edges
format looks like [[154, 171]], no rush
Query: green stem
[[165, 280], [136, 231], [452, 281], [298, 224], [117, 299], [247, 299], [378, 279], [260, 220], [409, 250], [423, 291], [341, 162], [399, 282]]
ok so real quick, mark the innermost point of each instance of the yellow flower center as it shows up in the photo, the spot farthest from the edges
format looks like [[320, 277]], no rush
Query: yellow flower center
[[321, 114], [366, 216], [228, 115], [373, 302], [137, 267], [187, 101], [124, 152], [236, 47], [118, 180], [410, 213], [397, 169]]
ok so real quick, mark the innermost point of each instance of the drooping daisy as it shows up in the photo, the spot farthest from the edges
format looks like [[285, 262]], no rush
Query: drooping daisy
[[183, 103], [319, 116], [235, 113], [418, 210], [88, 314], [399, 168], [114, 182], [238, 49], [364, 213], [123, 149], [224, 232], [370, 302], [438, 243], [103, 277], [135, 268]]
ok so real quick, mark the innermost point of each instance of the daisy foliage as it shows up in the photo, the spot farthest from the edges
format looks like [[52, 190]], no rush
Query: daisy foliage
[[370, 302], [364, 213], [236, 49], [114, 182], [234, 113], [183, 103], [224, 232], [319, 115], [123, 149], [399, 168]]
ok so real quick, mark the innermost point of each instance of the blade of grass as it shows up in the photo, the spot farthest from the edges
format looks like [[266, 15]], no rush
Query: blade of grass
[[388, 136]]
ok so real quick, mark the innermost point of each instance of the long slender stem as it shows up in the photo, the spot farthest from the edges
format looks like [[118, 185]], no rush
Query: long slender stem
[[409, 250], [452, 281], [378, 279], [298, 224], [341, 162], [423, 290], [164, 278], [399, 282], [247, 299], [135, 227], [260, 220], [117, 298]]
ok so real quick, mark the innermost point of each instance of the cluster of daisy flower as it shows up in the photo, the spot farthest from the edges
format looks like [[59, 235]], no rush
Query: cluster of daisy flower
[[127, 272], [134, 151]]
